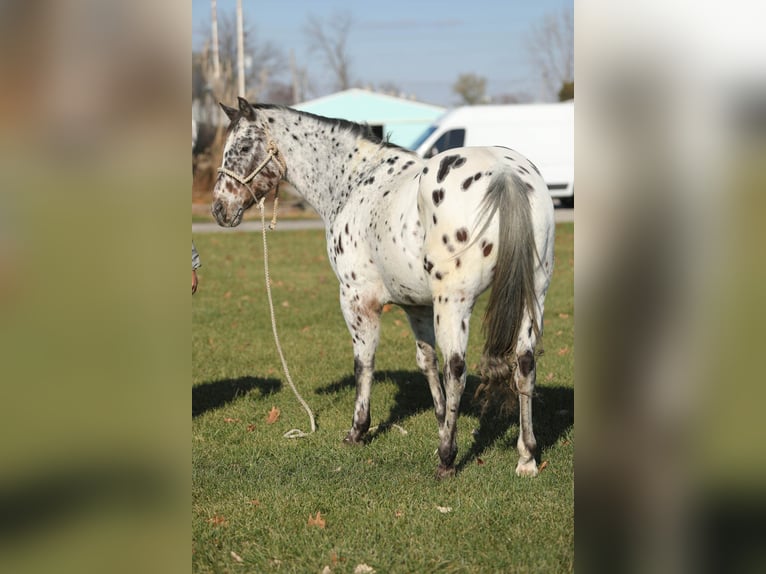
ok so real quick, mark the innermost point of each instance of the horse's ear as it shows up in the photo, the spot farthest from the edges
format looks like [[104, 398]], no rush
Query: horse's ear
[[230, 112], [247, 110]]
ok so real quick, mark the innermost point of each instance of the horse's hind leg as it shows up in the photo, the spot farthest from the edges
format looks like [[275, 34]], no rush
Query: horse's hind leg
[[524, 376], [362, 316], [451, 318], [422, 323]]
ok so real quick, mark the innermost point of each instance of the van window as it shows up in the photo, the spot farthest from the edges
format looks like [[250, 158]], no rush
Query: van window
[[448, 140]]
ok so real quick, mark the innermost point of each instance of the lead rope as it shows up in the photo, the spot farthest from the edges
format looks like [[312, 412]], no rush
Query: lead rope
[[293, 433]]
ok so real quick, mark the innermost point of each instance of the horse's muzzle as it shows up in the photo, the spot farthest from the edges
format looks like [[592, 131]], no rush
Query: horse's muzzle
[[225, 214]]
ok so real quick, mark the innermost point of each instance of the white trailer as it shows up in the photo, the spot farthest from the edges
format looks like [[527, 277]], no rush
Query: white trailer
[[542, 132]]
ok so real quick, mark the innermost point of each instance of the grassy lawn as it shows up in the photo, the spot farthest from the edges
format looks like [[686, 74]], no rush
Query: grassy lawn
[[254, 492]]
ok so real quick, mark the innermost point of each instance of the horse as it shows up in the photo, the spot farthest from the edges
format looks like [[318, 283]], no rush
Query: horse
[[427, 235]]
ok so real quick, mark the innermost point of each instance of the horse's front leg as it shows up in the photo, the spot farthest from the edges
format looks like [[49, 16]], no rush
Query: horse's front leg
[[362, 314]]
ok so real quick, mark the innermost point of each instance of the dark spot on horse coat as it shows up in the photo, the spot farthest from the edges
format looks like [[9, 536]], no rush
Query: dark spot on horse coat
[[526, 363], [457, 366], [438, 275], [425, 170], [447, 163], [457, 262], [438, 196], [462, 235], [487, 249], [434, 217], [427, 265], [467, 183]]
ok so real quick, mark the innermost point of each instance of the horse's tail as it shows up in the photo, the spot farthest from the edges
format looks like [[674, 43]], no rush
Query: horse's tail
[[513, 285]]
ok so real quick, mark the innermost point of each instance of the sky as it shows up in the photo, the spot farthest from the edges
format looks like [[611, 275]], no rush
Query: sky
[[421, 46]]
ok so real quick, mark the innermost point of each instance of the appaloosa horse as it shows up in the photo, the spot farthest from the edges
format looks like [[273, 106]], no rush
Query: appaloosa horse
[[427, 235]]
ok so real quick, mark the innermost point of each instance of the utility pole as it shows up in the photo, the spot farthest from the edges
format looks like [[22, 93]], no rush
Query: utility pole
[[214, 25], [240, 51], [296, 82]]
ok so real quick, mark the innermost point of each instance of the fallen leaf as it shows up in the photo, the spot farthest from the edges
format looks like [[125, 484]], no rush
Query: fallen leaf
[[326, 570], [255, 502], [273, 416], [542, 466], [317, 520], [218, 520], [227, 295], [444, 509], [305, 329], [230, 420], [565, 443], [236, 557], [285, 303], [250, 427], [398, 513], [563, 351], [364, 569], [549, 377], [479, 461], [564, 315], [386, 308]]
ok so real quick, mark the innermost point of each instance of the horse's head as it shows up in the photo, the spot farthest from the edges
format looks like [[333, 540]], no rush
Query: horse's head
[[250, 168]]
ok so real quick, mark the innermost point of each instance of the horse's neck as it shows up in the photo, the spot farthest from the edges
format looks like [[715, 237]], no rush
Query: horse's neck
[[322, 159]]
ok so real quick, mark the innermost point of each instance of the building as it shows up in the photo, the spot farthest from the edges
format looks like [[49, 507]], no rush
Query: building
[[398, 119]]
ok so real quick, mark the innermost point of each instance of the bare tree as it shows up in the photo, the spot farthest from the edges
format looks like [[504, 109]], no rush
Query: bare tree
[[330, 41], [512, 98], [471, 89], [551, 49]]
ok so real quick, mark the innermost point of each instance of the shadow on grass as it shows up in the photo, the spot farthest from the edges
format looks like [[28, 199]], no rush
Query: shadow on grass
[[552, 416], [412, 396], [215, 394], [552, 411]]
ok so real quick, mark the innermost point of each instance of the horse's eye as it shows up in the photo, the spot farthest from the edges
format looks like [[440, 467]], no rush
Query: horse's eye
[[245, 148]]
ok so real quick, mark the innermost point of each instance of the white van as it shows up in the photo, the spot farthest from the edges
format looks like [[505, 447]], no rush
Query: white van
[[542, 132]]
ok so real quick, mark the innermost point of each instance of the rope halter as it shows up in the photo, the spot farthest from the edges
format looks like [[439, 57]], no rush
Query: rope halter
[[272, 152]]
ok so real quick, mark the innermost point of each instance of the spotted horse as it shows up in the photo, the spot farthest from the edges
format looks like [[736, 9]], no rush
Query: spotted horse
[[427, 235]]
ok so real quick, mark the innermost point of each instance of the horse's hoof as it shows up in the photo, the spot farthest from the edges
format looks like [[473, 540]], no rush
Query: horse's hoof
[[353, 440], [444, 472], [528, 468]]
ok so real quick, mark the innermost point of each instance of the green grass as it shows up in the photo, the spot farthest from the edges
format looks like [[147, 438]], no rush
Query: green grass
[[379, 501]]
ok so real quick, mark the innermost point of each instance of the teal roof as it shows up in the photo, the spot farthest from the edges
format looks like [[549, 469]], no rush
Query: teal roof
[[403, 119]]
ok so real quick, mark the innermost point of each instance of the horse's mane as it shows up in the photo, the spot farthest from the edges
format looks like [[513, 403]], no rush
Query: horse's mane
[[359, 130]]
